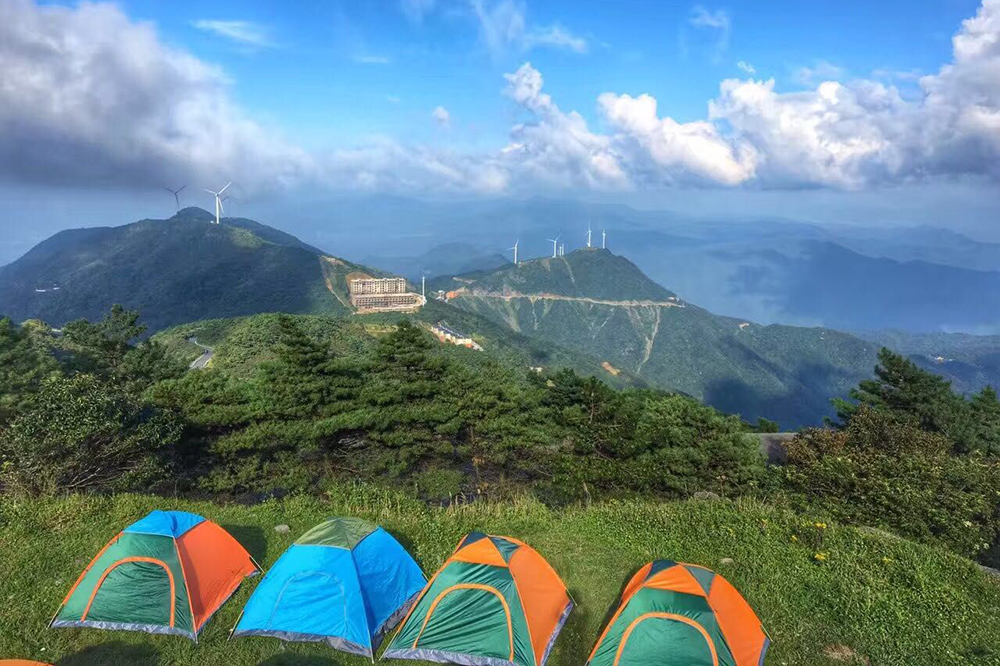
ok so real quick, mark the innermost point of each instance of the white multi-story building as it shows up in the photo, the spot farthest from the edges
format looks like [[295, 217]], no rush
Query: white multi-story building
[[383, 294]]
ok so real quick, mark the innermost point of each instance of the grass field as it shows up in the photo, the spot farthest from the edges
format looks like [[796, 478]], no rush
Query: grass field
[[887, 601]]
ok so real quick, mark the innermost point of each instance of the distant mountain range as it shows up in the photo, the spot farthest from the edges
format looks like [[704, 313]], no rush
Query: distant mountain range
[[590, 310], [447, 259], [847, 277]]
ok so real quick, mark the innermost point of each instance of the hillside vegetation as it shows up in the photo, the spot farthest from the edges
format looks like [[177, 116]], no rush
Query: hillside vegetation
[[884, 600], [600, 304], [175, 270]]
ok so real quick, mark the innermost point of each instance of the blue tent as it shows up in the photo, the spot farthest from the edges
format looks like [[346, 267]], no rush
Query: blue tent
[[345, 583]]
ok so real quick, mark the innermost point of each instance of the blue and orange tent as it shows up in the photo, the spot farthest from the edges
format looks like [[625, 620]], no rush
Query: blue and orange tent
[[345, 583], [165, 574]]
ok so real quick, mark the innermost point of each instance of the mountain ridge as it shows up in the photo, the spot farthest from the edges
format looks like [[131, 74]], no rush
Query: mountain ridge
[[778, 372]]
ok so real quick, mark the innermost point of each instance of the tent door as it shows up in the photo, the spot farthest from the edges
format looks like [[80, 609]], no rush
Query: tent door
[[666, 639], [314, 594], [131, 590], [461, 620]]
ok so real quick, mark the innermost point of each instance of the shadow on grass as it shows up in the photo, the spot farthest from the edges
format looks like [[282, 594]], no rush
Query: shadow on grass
[[575, 651], [113, 653], [250, 537]]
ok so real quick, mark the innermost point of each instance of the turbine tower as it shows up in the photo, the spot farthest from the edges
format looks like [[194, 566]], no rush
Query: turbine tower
[[218, 202], [515, 250], [177, 199], [588, 234], [555, 247], [604, 237], [562, 249]]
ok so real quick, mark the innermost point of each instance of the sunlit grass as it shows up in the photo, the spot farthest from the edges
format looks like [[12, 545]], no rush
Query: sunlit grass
[[889, 600]]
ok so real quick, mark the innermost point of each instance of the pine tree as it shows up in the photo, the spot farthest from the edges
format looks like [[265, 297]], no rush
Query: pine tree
[[306, 380], [985, 411]]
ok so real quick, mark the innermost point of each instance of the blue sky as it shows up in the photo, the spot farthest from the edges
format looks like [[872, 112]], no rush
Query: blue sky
[[334, 72], [857, 112]]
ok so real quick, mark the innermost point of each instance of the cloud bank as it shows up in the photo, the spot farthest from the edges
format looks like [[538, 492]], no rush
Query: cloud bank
[[89, 97]]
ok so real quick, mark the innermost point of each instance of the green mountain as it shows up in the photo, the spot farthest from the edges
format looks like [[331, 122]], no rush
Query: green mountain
[[601, 304], [175, 270]]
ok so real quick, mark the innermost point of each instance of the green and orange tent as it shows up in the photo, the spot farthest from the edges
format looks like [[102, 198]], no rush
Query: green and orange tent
[[494, 602], [165, 574], [674, 614]]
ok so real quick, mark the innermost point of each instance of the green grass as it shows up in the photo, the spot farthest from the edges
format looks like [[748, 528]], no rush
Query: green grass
[[890, 600]]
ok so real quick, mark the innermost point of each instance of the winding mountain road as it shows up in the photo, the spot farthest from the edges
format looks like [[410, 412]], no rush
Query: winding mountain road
[[206, 355]]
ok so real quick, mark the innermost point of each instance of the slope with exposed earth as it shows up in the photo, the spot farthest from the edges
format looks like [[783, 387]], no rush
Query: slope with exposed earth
[[601, 304]]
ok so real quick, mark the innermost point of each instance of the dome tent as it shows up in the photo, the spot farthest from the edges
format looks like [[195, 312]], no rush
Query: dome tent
[[345, 582], [494, 602], [165, 574], [673, 614]]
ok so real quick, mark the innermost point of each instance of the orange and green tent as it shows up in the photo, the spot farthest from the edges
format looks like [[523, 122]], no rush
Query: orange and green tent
[[165, 574], [494, 602], [674, 614]]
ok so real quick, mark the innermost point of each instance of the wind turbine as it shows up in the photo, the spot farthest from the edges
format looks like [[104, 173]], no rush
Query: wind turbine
[[604, 236], [218, 201], [515, 250], [562, 249], [588, 234], [554, 246], [177, 199]]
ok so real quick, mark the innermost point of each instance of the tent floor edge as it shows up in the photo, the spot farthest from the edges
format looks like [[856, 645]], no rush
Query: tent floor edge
[[445, 657], [335, 642], [125, 626], [570, 605]]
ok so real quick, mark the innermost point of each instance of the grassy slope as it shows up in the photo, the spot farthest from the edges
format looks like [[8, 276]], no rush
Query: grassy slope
[[891, 601], [781, 372]]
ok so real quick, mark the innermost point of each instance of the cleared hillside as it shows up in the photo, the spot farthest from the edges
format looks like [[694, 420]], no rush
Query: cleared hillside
[[887, 601], [601, 304]]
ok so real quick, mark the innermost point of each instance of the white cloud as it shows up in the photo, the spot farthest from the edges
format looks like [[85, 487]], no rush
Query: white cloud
[[746, 67], [821, 71], [244, 32], [504, 27], [90, 97], [557, 149], [416, 10], [392, 99], [441, 116], [703, 18], [717, 22], [372, 59], [555, 36]]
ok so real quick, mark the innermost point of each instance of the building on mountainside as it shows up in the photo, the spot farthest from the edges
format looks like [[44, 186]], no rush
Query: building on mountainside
[[365, 286], [445, 333], [384, 295]]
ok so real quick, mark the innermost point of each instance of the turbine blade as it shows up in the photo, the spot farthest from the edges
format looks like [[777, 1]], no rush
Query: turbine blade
[[221, 207], [210, 191], [226, 187], [180, 190]]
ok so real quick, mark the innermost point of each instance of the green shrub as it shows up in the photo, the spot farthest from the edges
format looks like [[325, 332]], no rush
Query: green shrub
[[81, 433], [884, 470]]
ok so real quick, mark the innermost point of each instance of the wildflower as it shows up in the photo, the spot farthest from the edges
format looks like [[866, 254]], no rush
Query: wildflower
[[820, 557], [820, 526], [795, 539], [967, 523]]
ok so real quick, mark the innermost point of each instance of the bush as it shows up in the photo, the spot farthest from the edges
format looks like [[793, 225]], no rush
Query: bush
[[884, 470], [81, 433]]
